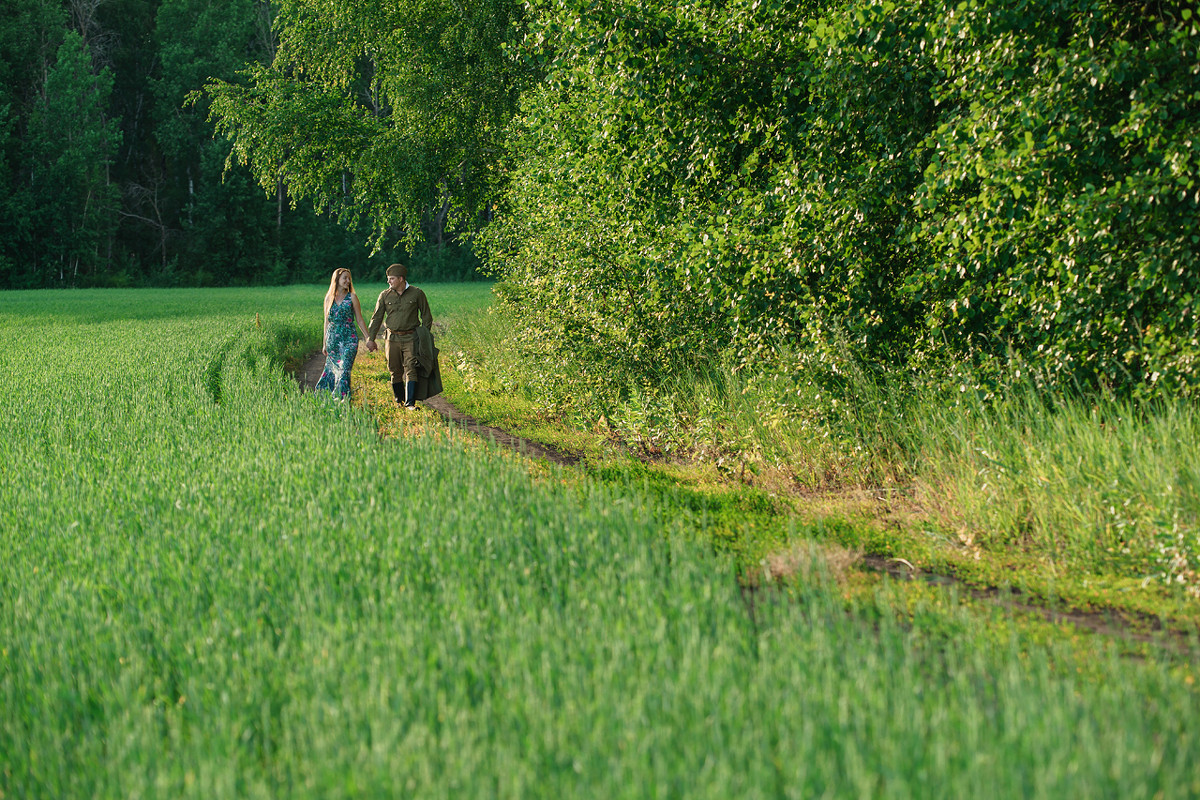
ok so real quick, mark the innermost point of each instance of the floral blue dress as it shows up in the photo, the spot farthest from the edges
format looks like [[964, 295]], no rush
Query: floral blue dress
[[341, 346]]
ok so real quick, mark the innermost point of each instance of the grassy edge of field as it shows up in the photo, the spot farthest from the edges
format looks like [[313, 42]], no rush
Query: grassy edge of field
[[863, 540], [883, 530], [760, 522]]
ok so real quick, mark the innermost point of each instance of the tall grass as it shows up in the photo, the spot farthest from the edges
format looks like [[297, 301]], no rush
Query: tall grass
[[215, 586], [1089, 481], [1106, 483]]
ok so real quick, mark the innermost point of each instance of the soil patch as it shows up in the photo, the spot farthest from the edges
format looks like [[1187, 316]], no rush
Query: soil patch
[[1127, 625], [309, 372]]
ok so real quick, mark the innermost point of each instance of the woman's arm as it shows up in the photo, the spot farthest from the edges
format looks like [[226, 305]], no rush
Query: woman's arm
[[325, 328], [358, 314]]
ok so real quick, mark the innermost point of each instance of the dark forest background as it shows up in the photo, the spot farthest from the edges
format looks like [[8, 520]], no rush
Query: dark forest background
[[110, 177]]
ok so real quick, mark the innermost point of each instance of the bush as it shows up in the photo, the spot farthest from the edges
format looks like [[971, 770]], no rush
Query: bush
[[904, 185]]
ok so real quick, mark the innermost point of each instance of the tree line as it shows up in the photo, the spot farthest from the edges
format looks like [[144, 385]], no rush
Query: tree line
[[975, 190], [972, 191], [109, 177]]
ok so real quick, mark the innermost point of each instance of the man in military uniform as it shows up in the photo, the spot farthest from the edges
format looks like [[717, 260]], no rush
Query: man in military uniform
[[400, 309]]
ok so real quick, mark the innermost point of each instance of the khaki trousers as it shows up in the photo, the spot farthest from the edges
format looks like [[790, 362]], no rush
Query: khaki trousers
[[401, 353]]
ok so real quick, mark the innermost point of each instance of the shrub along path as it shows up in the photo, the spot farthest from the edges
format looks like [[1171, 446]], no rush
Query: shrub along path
[[1128, 625]]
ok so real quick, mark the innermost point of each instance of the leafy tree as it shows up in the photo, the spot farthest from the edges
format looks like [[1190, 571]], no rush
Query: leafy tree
[[380, 113], [72, 145], [632, 237], [901, 185], [1062, 197]]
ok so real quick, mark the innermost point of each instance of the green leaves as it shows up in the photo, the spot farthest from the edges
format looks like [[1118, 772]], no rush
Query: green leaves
[[72, 146], [380, 113], [685, 180], [638, 174], [1052, 181]]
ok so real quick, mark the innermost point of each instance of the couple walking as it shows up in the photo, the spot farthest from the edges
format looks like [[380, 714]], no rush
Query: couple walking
[[403, 311]]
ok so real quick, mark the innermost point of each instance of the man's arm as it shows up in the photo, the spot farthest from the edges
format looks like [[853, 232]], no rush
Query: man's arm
[[376, 319], [426, 314]]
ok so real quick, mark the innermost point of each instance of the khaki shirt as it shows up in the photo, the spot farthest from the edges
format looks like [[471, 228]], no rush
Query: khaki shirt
[[400, 311]]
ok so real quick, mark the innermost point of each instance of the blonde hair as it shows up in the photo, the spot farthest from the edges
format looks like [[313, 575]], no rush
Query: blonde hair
[[333, 285]]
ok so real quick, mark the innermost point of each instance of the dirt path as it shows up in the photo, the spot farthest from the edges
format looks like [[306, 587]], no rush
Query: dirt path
[[309, 372], [1129, 626]]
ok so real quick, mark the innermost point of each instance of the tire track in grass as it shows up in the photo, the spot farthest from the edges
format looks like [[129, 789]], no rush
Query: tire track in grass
[[309, 372], [1132, 627]]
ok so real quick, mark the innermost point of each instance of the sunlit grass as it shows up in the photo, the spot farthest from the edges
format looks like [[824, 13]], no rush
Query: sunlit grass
[[215, 585], [1093, 484]]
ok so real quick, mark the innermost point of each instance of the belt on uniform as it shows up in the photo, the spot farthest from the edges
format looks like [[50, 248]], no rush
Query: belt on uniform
[[391, 332]]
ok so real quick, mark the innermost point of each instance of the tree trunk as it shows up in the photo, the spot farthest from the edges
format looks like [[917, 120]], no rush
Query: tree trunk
[[280, 193]]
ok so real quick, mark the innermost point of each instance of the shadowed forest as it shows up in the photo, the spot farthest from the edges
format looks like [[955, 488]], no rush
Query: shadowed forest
[[108, 177]]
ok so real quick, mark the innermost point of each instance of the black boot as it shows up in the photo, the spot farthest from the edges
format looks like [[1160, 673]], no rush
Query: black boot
[[410, 394], [398, 390]]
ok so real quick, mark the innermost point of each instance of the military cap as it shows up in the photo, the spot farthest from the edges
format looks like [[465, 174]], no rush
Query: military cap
[[397, 271]]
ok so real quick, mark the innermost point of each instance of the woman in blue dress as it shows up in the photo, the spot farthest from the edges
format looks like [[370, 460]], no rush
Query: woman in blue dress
[[341, 340]]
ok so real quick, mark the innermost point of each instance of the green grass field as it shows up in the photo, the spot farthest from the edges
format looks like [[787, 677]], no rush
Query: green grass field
[[216, 586]]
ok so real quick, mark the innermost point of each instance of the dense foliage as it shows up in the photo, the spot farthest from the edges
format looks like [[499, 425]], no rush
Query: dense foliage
[[106, 178], [799, 186], [380, 112], [788, 188]]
